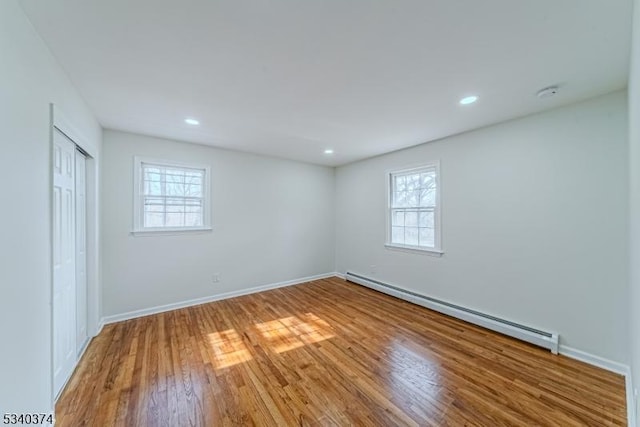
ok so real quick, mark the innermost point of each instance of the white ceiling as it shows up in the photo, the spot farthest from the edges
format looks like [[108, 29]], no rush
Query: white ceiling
[[290, 78]]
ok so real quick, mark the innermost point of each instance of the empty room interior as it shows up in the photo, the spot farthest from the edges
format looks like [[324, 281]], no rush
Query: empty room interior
[[310, 213]]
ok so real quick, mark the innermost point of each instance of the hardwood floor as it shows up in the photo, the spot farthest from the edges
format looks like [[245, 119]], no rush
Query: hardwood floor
[[327, 353]]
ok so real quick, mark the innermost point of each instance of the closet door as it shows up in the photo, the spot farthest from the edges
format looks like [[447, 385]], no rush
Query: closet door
[[81, 252], [64, 260]]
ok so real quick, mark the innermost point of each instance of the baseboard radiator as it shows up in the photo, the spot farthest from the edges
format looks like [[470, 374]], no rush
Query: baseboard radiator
[[548, 340]]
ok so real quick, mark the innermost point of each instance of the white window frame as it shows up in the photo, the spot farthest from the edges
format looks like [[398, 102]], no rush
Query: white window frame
[[437, 249], [138, 191]]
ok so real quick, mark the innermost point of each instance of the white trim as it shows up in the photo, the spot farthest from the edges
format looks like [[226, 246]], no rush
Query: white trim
[[339, 275], [197, 301], [60, 121], [592, 359], [100, 327], [437, 249], [79, 357], [170, 231], [631, 400], [138, 228], [84, 348], [414, 249]]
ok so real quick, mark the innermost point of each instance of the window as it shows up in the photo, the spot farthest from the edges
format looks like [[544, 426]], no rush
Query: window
[[170, 196], [414, 211]]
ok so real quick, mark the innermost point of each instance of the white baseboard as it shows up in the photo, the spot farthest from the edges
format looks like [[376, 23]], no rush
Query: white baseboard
[[340, 275], [99, 328], [84, 348], [591, 359], [197, 301], [631, 400]]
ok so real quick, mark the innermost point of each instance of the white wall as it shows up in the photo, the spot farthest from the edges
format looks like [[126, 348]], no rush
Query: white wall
[[534, 216], [634, 198], [273, 221], [30, 79]]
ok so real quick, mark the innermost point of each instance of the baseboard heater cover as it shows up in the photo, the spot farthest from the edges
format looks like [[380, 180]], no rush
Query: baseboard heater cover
[[548, 340]]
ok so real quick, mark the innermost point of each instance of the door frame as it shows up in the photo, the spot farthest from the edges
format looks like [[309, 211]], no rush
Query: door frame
[[80, 159], [59, 121]]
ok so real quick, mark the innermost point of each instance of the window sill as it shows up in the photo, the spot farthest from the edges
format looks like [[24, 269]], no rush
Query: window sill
[[170, 231], [415, 249]]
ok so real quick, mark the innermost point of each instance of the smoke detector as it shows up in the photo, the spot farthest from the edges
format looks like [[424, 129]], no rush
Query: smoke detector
[[547, 92]]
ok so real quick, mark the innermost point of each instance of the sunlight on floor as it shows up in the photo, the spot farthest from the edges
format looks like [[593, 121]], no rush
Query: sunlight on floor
[[228, 349], [289, 333], [282, 335]]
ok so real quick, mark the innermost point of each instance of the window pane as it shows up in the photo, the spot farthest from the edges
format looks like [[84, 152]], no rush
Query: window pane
[[411, 219], [413, 207], [193, 209], [174, 196], [413, 182], [152, 188], [397, 235], [427, 237], [174, 176], [426, 219], [428, 197], [411, 236], [152, 219], [175, 204], [175, 209], [400, 199], [152, 174], [174, 189], [193, 190], [174, 219], [413, 198], [397, 218], [193, 219], [427, 179], [175, 201]]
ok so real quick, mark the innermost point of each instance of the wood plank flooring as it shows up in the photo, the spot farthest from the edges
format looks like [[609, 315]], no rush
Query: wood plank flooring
[[327, 353]]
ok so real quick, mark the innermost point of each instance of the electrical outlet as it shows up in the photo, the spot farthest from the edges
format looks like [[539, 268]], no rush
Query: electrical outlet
[[215, 278]]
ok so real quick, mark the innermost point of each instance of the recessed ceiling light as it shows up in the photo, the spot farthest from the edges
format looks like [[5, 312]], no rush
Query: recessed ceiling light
[[328, 151], [468, 100], [193, 122]]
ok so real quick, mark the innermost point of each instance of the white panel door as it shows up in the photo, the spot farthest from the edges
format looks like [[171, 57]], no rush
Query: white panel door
[[81, 252], [64, 260]]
